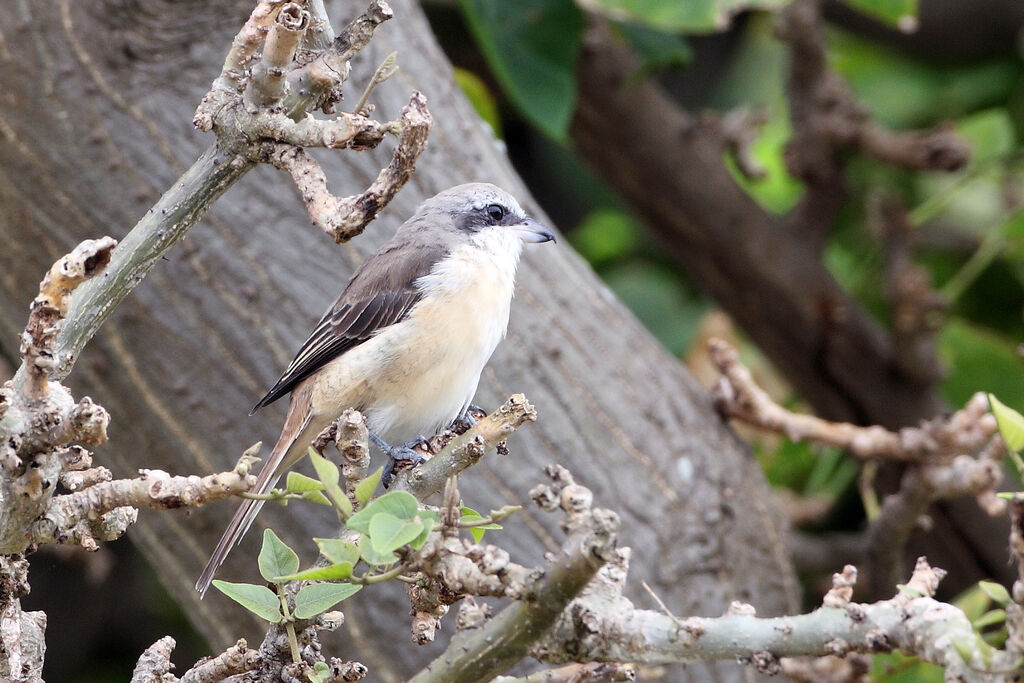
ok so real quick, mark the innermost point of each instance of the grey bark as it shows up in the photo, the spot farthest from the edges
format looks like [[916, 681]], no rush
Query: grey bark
[[95, 111]]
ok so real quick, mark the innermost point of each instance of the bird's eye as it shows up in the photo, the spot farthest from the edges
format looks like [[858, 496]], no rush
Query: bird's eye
[[495, 212]]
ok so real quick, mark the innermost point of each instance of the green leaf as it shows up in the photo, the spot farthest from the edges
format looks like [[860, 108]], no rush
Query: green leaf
[[990, 618], [606, 235], [329, 475], [316, 497], [398, 503], [319, 597], [430, 519], [300, 483], [259, 600], [470, 515], [337, 550], [320, 673], [685, 16], [388, 532], [339, 570], [657, 49], [371, 556], [996, 591], [276, 558], [326, 470], [480, 96], [531, 46], [1011, 423], [964, 650], [365, 488], [901, 14]]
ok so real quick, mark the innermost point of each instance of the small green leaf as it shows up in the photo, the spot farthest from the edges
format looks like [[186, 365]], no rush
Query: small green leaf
[[339, 570], [300, 483], [990, 618], [1011, 423], [691, 16], [388, 532], [276, 558], [259, 600], [337, 550], [329, 475], [316, 497], [320, 673], [371, 556], [964, 650], [901, 14], [995, 591], [398, 503], [365, 488], [429, 519], [480, 96], [469, 515], [319, 597], [326, 470]]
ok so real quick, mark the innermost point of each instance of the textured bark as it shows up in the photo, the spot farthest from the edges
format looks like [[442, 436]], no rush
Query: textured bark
[[95, 110]]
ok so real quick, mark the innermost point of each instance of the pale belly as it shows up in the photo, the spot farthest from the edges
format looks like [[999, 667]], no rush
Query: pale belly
[[415, 377]]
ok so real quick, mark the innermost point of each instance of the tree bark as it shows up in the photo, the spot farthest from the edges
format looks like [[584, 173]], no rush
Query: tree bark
[[96, 112]]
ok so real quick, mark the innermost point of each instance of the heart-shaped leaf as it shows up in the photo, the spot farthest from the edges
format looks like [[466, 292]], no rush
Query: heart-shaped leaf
[[339, 570], [337, 550], [259, 600], [276, 558], [300, 483], [388, 532], [319, 597], [398, 503], [365, 488]]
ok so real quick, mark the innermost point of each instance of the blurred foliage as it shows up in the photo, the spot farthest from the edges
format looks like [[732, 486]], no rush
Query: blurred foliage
[[970, 223], [531, 45]]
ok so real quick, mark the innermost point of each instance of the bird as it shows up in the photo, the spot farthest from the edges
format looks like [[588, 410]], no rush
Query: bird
[[406, 340]]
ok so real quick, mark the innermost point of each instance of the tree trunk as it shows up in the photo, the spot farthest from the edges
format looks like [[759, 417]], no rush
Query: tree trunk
[[96, 113]]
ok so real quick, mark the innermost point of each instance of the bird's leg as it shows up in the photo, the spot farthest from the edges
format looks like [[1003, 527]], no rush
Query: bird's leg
[[466, 421], [405, 452]]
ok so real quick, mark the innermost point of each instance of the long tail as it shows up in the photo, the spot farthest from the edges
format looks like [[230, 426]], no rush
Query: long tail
[[275, 466]]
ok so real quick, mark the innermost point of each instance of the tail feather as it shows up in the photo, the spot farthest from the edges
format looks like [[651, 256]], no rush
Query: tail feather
[[279, 461], [236, 529]]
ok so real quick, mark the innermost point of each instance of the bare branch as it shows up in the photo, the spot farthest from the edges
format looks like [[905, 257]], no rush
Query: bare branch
[[237, 659], [464, 451], [155, 662], [38, 347], [738, 396], [104, 510], [314, 86], [344, 218], [916, 309], [480, 651], [267, 85]]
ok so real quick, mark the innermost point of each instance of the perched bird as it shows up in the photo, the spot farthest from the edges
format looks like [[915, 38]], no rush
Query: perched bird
[[406, 340]]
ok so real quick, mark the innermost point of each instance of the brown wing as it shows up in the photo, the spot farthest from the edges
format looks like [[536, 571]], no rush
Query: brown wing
[[380, 294]]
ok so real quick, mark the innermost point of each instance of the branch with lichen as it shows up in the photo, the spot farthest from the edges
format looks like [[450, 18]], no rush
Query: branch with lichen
[[104, 510], [602, 625], [737, 396], [484, 646], [345, 217], [466, 450], [247, 135], [949, 456]]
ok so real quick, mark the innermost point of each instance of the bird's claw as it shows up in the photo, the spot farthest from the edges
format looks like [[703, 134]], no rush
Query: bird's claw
[[404, 453], [466, 421]]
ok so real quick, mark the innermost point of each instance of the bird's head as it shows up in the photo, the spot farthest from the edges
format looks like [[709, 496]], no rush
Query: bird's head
[[483, 211]]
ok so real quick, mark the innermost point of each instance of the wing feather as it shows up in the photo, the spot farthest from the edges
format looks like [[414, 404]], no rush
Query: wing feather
[[343, 328]]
